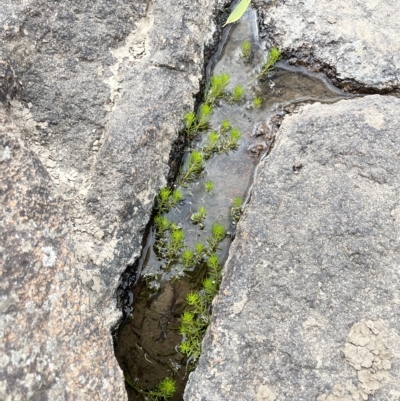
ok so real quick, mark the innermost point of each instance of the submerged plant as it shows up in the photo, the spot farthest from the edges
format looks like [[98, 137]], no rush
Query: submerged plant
[[194, 124], [175, 244], [273, 57], [208, 186], [190, 121], [164, 390], [236, 208], [168, 198], [203, 118], [188, 259], [237, 93], [246, 50], [195, 320], [257, 101], [218, 233], [211, 145], [162, 224], [231, 141], [195, 167], [199, 216], [225, 126], [216, 90]]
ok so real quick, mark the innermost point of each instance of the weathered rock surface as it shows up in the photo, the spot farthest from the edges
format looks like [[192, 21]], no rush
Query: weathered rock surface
[[97, 91], [309, 307], [53, 346], [102, 89], [358, 39]]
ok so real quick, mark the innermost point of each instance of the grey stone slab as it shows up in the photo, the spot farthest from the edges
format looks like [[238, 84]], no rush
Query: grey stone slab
[[93, 94], [98, 90], [53, 345], [357, 39], [309, 306]]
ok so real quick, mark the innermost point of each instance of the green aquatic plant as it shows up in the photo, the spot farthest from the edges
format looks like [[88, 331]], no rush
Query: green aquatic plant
[[168, 198], [199, 216], [196, 318], [236, 208], [257, 101], [216, 88], [273, 57], [189, 121], [188, 259], [194, 167], [199, 250], [211, 144], [231, 141], [225, 141], [162, 224], [175, 244], [163, 199], [237, 93], [203, 117], [208, 186], [225, 126], [194, 124], [218, 233], [246, 50], [164, 390]]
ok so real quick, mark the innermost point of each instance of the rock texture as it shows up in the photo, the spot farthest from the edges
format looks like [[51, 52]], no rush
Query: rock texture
[[52, 344], [96, 90], [358, 40], [102, 87], [309, 307]]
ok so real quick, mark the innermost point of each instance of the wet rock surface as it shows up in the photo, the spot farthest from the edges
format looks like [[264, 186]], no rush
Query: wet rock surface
[[357, 42], [309, 305], [96, 91]]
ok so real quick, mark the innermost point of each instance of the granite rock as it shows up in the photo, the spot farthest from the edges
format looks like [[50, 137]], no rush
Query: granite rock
[[309, 306], [53, 346], [357, 42], [93, 95]]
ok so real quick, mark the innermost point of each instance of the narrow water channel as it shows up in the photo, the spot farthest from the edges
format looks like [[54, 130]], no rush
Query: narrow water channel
[[147, 343]]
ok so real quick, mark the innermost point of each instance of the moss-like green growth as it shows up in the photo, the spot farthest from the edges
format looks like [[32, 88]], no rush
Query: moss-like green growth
[[164, 390], [195, 320], [225, 126], [226, 140], [190, 121], [162, 224], [194, 167], [218, 233], [175, 243], [194, 124], [211, 145], [216, 89], [273, 57], [237, 93], [199, 216], [208, 186], [188, 259], [246, 50], [232, 141], [205, 112], [236, 208], [168, 198], [257, 101]]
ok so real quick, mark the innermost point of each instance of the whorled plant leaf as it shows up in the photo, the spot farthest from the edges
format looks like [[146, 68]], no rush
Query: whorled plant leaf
[[237, 12]]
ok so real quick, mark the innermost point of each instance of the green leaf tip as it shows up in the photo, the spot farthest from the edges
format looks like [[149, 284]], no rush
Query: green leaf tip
[[238, 12]]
